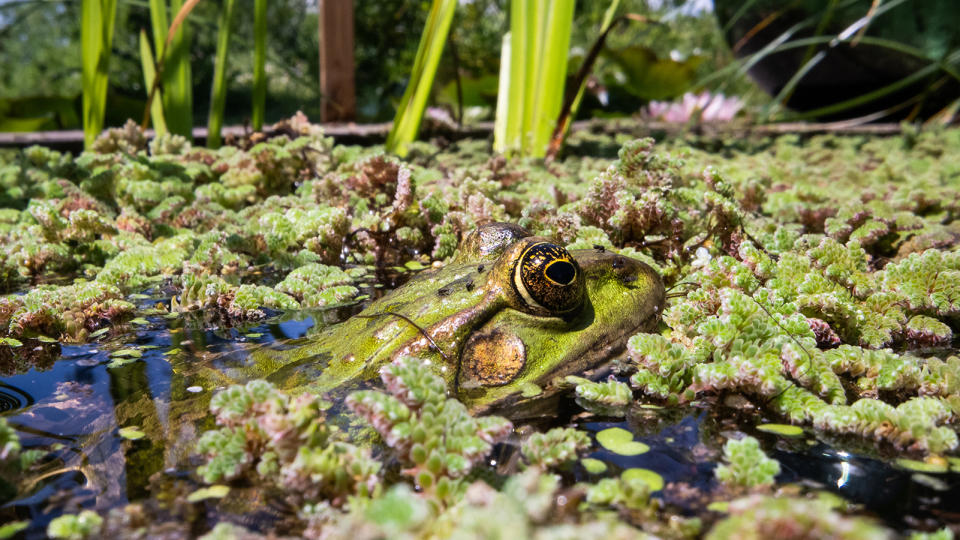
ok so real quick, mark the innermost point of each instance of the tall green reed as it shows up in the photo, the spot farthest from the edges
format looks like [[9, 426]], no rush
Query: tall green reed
[[259, 63], [218, 95], [533, 71], [97, 19], [406, 123]]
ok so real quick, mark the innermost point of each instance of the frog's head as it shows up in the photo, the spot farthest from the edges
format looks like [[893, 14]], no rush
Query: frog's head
[[510, 313], [552, 312]]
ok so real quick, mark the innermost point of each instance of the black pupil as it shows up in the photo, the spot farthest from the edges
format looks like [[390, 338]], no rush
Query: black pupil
[[561, 272]]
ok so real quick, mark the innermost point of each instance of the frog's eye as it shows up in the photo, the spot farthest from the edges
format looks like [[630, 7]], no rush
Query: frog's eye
[[548, 279]]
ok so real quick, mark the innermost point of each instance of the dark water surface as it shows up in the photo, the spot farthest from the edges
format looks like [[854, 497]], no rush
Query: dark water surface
[[75, 404]]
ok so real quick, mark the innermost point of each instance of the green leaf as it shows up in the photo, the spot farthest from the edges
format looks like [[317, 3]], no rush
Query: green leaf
[[128, 353], [785, 430], [259, 63], [10, 342], [218, 94], [533, 69], [100, 332], [12, 528], [649, 77], [140, 320], [120, 362], [921, 466], [177, 79], [97, 19], [594, 466], [215, 491], [406, 124], [148, 65]]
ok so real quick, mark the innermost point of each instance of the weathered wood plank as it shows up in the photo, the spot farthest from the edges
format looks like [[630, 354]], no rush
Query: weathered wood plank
[[337, 88]]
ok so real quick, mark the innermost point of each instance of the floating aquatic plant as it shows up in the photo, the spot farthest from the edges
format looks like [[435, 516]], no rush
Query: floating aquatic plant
[[745, 465], [286, 441], [434, 436], [86, 524], [761, 516], [555, 447]]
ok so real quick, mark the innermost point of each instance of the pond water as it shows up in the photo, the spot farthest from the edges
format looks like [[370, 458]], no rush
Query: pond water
[[121, 416]]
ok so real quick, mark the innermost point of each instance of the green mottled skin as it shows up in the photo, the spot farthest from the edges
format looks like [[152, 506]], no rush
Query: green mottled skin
[[474, 294]]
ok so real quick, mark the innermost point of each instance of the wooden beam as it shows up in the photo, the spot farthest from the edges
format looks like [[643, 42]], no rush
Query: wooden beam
[[337, 90]]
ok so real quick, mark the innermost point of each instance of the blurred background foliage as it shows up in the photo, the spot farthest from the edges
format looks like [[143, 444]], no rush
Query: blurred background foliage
[[40, 79]]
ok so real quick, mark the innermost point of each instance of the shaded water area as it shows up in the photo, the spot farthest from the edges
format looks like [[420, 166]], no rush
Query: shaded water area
[[119, 418]]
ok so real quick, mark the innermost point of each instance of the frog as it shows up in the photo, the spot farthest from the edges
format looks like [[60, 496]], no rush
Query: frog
[[509, 316]]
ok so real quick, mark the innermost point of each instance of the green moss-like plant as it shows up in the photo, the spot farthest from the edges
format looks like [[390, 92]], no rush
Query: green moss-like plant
[[746, 465], [766, 517], [435, 437], [555, 447], [266, 435], [84, 525]]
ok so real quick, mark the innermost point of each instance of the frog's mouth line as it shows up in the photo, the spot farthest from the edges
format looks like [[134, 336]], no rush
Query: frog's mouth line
[[423, 332]]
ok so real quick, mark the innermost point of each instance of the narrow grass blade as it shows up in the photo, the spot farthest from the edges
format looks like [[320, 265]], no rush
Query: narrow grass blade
[[177, 79], [218, 96], [259, 62], [503, 98], [149, 75], [406, 124], [159, 25], [569, 112], [97, 19]]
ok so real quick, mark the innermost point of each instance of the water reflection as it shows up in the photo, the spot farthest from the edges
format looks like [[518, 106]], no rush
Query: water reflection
[[13, 398]]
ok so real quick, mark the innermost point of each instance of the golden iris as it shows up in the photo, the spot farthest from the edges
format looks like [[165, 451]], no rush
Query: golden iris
[[548, 279]]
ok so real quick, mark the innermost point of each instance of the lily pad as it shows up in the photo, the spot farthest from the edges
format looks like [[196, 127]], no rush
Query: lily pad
[[620, 441], [651, 478], [10, 342], [127, 353], [216, 491], [131, 432], [784, 430], [45, 339], [594, 466], [140, 320], [414, 265]]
